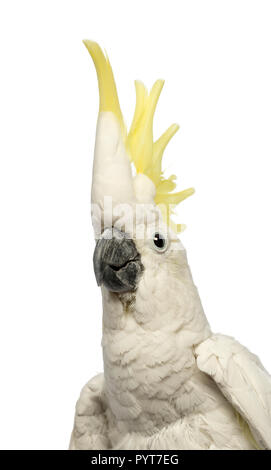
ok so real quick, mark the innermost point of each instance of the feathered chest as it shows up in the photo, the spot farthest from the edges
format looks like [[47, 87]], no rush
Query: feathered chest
[[148, 351], [144, 372]]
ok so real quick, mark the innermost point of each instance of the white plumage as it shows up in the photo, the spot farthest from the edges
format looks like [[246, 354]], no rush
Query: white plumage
[[168, 382]]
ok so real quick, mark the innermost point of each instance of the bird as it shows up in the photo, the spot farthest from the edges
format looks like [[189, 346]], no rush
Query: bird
[[169, 382]]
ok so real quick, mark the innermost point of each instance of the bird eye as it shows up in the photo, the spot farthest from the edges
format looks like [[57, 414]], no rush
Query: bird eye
[[159, 242]]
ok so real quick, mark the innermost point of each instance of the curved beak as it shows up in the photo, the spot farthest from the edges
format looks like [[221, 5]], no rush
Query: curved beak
[[116, 261]]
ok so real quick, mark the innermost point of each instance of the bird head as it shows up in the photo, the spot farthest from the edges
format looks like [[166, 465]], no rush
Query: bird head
[[132, 200]]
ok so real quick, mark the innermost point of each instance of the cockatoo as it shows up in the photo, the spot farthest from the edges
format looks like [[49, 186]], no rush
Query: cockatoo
[[168, 381]]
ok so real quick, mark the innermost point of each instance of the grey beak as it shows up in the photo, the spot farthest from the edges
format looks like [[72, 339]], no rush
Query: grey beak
[[116, 261]]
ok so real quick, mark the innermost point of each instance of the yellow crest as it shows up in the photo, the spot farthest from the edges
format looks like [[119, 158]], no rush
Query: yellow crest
[[145, 154]]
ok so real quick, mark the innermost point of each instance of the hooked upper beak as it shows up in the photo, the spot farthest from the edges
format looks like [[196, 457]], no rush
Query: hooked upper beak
[[116, 261]]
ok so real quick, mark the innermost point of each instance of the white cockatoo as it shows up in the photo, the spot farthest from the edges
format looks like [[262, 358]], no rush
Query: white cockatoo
[[168, 381]]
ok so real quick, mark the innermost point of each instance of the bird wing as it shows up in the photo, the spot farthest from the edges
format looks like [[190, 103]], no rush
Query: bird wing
[[242, 379], [90, 425]]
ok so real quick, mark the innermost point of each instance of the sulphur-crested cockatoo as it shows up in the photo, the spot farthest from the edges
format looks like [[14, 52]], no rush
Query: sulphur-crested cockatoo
[[168, 381]]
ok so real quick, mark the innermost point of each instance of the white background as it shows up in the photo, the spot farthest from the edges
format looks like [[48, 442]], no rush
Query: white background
[[215, 57]]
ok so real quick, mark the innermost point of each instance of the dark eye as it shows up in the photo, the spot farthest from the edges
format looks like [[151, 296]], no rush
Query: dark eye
[[159, 242]]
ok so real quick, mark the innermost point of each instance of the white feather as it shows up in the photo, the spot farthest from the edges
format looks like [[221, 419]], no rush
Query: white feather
[[161, 365], [242, 379]]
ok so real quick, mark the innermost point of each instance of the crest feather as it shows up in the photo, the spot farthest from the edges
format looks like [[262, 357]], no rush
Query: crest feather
[[109, 100], [147, 155]]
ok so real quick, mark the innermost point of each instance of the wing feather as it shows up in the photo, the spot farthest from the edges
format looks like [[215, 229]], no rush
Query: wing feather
[[242, 379], [90, 429]]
